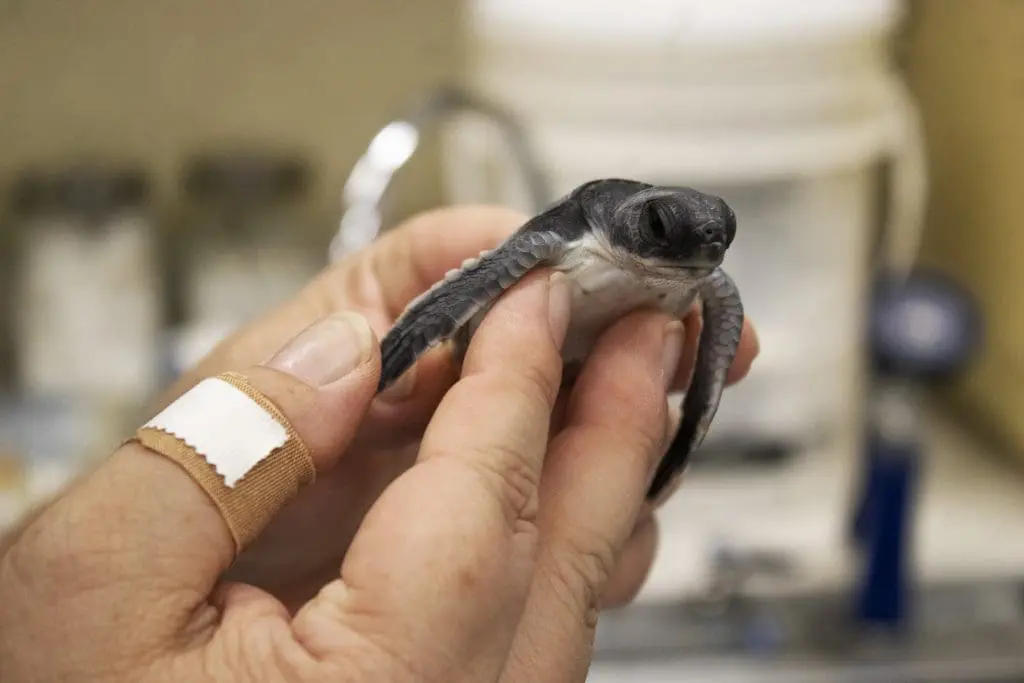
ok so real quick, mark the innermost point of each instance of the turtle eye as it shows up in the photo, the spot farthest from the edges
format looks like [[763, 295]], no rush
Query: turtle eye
[[656, 225]]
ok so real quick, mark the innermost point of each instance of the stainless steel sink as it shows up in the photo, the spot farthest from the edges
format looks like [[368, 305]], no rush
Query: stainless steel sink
[[957, 633]]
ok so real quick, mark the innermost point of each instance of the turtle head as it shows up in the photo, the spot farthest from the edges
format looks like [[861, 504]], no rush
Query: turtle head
[[674, 227]]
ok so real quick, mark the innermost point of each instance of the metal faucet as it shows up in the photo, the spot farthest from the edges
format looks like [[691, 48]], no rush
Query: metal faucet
[[363, 194]]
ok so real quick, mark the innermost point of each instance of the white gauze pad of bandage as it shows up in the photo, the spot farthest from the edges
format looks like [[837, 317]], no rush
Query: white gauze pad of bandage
[[223, 425]]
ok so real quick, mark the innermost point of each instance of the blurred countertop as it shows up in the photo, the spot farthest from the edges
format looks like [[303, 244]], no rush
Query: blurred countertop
[[969, 508]]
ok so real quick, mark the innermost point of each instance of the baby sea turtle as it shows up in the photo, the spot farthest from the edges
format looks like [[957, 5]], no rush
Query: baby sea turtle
[[622, 244]]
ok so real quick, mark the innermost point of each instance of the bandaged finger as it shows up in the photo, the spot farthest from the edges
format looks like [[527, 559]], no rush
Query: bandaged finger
[[239, 448]]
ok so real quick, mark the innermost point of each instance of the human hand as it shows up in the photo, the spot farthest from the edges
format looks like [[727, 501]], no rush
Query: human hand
[[303, 546], [484, 561]]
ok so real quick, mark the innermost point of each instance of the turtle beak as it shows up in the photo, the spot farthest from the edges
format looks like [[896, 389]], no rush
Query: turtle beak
[[714, 239]]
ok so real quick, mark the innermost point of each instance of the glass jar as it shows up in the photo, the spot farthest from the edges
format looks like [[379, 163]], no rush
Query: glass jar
[[88, 307], [88, 316]]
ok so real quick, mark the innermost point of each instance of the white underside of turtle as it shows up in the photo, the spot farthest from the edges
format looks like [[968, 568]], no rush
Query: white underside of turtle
[[603, 289]]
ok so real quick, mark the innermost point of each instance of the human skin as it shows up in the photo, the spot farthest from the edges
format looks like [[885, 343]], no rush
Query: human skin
[[586, 541]]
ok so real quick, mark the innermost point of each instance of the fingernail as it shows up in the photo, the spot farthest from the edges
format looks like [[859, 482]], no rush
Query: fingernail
[[671, 351], [402, 387], [327, 350], [558, 307]]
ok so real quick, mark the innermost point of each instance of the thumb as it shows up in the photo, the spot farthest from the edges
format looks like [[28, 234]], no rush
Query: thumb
[[141, 528]]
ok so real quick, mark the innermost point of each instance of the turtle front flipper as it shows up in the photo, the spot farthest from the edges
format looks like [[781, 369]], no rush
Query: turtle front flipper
[[442, 310], [722, 312]]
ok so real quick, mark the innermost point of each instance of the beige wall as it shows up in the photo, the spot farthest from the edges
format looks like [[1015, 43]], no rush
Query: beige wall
[[152, 80], [966, 65]]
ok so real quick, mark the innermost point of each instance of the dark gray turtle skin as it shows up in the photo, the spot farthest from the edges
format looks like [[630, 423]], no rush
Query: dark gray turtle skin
[[623, 245]]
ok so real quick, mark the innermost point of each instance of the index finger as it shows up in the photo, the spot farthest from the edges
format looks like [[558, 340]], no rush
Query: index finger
[[595, 480], [510, 380], [453, 539]]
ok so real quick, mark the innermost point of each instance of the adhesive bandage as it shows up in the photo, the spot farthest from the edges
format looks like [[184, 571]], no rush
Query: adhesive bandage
[[238, 446]]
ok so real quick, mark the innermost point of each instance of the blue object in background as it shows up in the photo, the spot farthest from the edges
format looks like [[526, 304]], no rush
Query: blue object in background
[[886, 530], [923, 329]]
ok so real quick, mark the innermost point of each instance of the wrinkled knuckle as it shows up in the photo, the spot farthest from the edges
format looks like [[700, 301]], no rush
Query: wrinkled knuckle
[[250, 656], [510, 476], [579, 571]]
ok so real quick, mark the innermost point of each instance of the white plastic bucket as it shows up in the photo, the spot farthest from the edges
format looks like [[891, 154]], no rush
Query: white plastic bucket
[[782, 108]]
